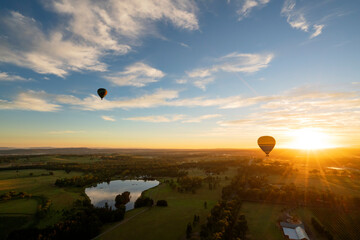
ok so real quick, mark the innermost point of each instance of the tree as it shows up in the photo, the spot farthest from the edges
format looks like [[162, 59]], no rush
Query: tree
[[143, 202], [162, 203], [188, 231], [122, 199]]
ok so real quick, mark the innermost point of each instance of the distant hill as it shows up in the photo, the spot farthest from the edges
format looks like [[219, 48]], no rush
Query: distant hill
[[255, 152]]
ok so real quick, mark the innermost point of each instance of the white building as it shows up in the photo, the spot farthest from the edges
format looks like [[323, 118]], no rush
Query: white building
[[294, 232]]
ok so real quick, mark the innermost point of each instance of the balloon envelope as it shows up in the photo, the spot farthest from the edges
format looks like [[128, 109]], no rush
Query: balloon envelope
[[266, 143], [102, 92]]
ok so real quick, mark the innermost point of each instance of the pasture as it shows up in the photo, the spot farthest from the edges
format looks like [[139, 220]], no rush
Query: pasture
[[38, 183], [182, 206]]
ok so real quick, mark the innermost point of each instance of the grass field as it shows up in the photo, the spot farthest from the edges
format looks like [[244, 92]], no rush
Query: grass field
[[56, 158], [40, 183], [9, 223], [262, 219], [341, 225], [168, 222], [342, 185], [19, 206]]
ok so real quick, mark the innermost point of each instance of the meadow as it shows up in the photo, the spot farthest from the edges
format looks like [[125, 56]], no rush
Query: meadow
[[180, 211], [170, 222], [40, 184]]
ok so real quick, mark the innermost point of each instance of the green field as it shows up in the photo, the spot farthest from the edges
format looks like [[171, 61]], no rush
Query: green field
[[343, 225], [8, 223], [55, 158], [19, 206], [38, 183], [342, 185], [182, 206], [262, 220]]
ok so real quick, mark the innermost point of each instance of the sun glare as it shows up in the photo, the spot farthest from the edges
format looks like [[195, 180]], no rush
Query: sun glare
[[310, 138]]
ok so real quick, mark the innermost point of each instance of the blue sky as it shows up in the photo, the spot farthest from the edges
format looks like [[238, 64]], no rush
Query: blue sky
[[179, 74]]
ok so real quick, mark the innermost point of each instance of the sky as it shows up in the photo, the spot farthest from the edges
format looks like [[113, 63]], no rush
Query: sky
[[179, 73]]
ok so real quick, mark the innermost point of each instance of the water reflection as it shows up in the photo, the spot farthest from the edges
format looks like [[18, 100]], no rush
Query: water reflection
[[105, 192]]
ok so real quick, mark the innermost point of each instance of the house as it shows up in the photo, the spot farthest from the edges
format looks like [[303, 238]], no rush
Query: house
[[294, 231]]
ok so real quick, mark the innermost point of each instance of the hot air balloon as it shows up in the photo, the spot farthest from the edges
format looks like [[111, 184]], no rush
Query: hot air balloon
[[266, 143], [102, 92]]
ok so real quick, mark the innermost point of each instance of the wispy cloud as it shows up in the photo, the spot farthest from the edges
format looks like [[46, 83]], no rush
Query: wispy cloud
[[296, 18], [108, 118], [30, 101], [105, 23], [201, 118], [11, 78], [248, 5], [337, 112], [88, 30], [299, 98], [173, 118], [138, 74], [29, 47], [157, 119], [159, 98], [232, 63], [317, 30]]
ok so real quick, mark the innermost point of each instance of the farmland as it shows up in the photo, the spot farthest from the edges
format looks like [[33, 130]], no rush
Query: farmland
[[36, 176]]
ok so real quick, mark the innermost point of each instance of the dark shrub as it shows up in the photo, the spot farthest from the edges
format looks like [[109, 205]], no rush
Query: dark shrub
[[162, 203]]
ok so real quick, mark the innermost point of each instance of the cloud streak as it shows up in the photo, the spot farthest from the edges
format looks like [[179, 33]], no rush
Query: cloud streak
[[173, 118], [248, 5], [138, 75], [30, 101], [87, 31], [231, 63], [6, 77], [108, 118], [335, 112], [296, 18]]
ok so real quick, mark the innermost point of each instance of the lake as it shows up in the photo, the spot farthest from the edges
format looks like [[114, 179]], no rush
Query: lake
[[104, 192]]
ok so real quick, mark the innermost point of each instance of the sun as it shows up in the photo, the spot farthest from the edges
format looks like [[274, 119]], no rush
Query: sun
[[310, 138]]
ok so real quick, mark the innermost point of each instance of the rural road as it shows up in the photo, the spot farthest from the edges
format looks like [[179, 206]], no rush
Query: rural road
[[122, 222]]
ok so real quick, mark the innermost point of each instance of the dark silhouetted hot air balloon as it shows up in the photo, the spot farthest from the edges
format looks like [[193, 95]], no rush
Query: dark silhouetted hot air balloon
[[266, 143], [102, 92]]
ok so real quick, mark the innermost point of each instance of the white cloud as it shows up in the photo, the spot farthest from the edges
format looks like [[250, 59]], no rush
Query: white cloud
[[184, 45], [248, 5], [93, 102], [31, 101], [296, 18], [139, 74], [108, 118], [104, 22], [29, 47], [318, 30], [87, 31], [181, 81], [201, 118], [302, 108], [157, 119], [11, 78], [233, 63], [202, 82], [173, 118]]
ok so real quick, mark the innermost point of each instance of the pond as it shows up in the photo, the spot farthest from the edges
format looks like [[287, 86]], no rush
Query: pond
[[104, 192]]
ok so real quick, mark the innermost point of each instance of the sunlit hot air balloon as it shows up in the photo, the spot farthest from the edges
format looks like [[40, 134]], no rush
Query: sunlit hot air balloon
[[102, 92], [266, 143]]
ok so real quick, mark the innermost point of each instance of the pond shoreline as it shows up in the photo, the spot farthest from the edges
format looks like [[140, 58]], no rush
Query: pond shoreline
[[105, 193]]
